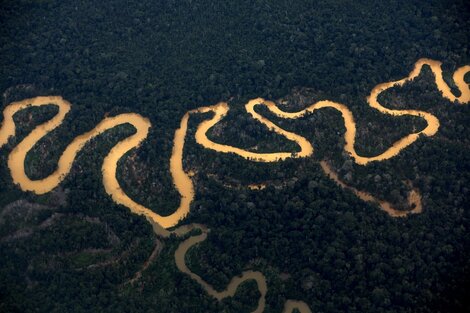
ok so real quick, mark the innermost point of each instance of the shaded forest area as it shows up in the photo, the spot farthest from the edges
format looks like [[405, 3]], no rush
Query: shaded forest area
[[74, 250]]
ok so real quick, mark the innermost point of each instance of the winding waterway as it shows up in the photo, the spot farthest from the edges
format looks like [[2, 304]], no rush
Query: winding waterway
[[182, 179], [414, 198]]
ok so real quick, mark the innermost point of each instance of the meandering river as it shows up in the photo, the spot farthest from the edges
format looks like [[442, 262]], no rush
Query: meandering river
[[182, 179]]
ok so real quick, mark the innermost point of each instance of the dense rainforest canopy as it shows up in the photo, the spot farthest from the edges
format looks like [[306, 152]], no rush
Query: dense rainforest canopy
[[75, 250]]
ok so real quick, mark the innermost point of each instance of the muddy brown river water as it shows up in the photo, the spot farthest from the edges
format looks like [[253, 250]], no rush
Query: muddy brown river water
[[182, 180]]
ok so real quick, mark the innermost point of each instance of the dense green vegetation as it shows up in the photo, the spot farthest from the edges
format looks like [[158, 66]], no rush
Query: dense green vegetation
[[74, 250]]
